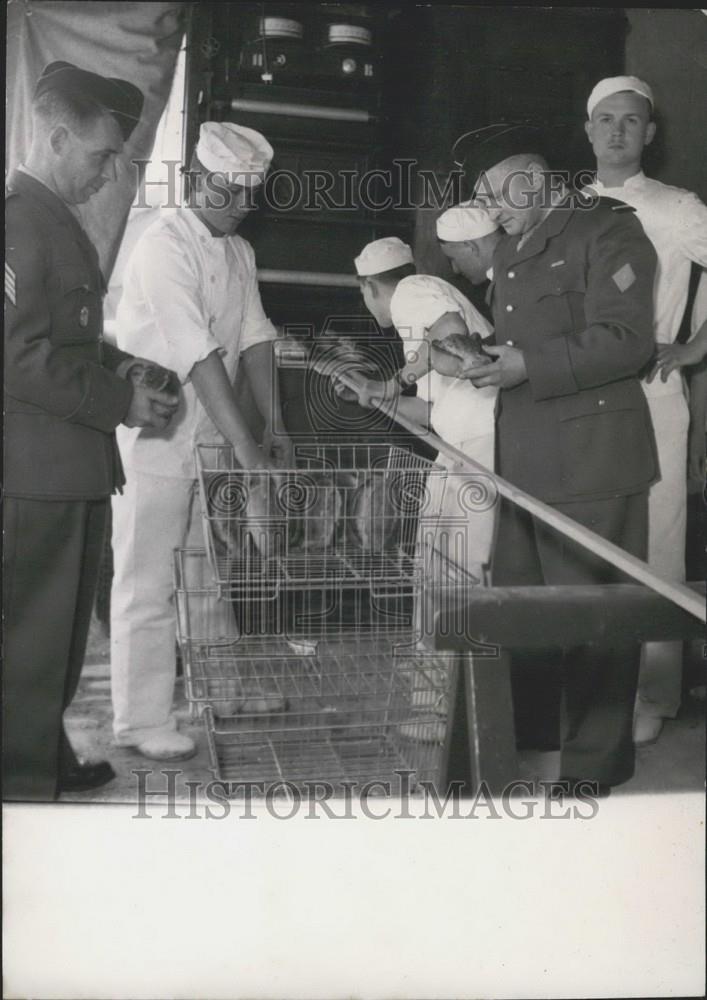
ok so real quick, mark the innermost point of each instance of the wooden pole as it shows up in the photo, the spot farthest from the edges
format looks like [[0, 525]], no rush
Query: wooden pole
[[588, 539]]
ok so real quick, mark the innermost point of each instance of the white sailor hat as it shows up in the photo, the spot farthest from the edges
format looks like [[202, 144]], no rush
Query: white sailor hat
[[231, 149], [383, 255], [465, 221], [614, 85]]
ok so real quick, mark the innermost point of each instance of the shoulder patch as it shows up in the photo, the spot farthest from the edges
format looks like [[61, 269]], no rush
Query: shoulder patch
[[10, 284], [624, 277]]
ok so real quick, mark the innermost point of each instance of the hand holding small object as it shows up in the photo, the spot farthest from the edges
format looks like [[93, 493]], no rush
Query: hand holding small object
[[150, 408], [277, 445], [149, 375], [507, 371]]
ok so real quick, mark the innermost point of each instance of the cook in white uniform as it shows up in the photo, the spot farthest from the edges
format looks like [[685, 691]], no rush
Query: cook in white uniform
[[191, 302], [468, 236], [461, 414], [424, 308], [619, 127]]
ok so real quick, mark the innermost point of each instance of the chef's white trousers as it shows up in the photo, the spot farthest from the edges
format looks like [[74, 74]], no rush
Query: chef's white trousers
[[660, 680], [154, 516], [457, 548]]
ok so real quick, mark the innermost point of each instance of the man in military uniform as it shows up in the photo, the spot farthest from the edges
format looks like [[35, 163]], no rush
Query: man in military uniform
[[572, 306], [65, 393]]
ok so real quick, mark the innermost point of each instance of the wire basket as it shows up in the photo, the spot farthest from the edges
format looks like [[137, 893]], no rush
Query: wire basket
[[337, 519], [355, 715], [348, 708]]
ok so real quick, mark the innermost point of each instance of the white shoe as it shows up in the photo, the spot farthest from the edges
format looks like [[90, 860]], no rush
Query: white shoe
[[167, 746], [646, 730]]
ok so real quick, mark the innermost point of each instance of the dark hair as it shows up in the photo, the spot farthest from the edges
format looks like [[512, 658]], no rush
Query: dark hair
[[77, 111], [393, 276]]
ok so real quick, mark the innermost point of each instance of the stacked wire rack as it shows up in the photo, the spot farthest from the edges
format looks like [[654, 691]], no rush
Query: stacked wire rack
[[299, 622]]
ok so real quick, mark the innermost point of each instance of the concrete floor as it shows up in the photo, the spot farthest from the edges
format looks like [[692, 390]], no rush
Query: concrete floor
[[675, 764]]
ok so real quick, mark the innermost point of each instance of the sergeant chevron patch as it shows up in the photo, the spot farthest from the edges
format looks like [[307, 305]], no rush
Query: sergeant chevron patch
[[10, 284], [624, 277]]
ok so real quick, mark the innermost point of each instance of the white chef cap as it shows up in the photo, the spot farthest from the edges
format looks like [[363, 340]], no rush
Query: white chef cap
[[614, 85], [231, 149], [465, 221], [383, 255], [421, 299]]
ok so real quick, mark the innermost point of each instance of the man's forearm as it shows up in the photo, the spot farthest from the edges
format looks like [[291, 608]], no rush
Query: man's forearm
[[215, 392], [261, 370]]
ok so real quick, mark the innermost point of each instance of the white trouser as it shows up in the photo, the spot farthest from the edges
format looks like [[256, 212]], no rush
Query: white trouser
[[154, 516], [457, 549], [660, 678]]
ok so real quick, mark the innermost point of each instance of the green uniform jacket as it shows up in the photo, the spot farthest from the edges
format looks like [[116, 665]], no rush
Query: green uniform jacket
[[63, 399], [577, 299]]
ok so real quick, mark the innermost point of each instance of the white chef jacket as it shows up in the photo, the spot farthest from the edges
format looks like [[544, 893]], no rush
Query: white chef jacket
[[460, 411], [675, 221], [186, 294]]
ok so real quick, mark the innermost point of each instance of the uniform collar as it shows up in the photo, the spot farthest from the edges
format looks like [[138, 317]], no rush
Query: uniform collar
[[553, 224], [23, 181], [201, 229], [631, 183], [37, 191]]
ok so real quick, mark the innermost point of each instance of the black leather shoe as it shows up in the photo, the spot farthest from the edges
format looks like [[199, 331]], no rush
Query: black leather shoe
[[84, 777]]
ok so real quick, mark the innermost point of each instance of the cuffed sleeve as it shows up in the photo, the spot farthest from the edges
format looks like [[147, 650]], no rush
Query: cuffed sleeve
[[256, 327]]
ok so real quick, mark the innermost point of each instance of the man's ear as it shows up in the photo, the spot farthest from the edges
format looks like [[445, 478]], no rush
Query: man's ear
[[58, 137], [373, 287], [650, 133], [588, 129], [537, 174]]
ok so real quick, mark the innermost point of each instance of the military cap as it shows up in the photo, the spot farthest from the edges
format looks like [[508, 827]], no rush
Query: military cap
[[121, 99], [482, 148]]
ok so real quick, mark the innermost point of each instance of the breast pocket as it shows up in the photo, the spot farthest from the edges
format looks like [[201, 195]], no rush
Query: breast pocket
[[560, 299], [77, 316]]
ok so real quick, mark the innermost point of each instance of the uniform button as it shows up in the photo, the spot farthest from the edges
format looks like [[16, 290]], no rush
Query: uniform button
[[509, 309], [601, 402], [511, 274]]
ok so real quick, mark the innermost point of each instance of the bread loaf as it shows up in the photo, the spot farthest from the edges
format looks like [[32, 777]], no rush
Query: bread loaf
[[458, 353]]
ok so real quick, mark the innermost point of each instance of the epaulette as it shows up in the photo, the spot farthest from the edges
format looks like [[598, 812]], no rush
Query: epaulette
[[614, 204]]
